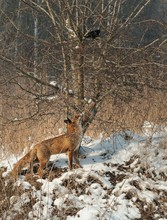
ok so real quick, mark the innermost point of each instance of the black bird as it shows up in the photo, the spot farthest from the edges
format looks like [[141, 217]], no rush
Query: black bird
[[92, 34]]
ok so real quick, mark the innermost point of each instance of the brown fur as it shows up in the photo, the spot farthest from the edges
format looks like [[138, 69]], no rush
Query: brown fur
[[68, 142]]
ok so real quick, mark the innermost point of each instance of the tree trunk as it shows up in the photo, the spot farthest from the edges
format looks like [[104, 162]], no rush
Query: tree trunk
[[89, 115]]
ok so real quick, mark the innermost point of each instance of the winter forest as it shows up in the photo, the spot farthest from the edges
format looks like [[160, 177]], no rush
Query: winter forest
[[106, 59]]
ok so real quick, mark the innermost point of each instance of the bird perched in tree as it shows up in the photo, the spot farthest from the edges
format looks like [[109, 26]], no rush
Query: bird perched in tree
[[92, 34]]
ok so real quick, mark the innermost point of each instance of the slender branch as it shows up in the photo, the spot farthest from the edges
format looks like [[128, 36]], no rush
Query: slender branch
[[55, 86]]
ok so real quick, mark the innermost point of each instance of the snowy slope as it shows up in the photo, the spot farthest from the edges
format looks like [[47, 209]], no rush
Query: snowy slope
[[123, 177]]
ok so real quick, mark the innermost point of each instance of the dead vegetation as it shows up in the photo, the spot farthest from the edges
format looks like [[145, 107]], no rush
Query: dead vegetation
[[115, 115], [75, 184]]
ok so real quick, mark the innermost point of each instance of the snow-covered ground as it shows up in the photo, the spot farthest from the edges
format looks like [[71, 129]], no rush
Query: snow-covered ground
[[123, 177]]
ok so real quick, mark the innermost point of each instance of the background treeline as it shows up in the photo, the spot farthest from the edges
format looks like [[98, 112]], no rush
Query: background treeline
[[49, 69]]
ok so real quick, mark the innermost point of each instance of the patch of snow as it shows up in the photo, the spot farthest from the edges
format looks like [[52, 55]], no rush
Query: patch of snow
[[118, 175]]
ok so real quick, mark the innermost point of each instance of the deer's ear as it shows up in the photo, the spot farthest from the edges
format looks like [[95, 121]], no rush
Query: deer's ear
[[67, 121]]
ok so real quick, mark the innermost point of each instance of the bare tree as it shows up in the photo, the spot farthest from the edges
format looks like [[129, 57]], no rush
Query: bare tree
[[57, 60]]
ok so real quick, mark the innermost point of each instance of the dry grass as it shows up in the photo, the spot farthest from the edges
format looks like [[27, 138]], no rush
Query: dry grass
[[9, 195], [114, 115], [119, 115]]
